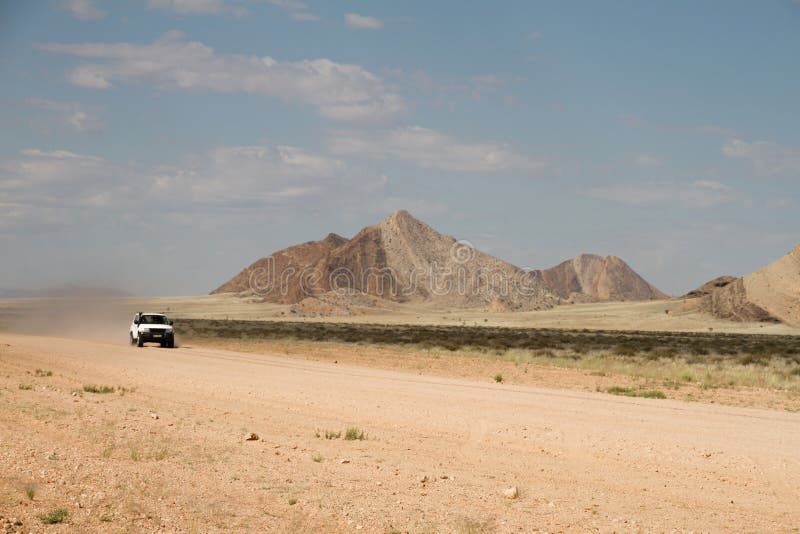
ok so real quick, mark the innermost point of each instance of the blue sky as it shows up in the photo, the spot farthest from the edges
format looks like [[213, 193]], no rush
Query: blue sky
[[162, 145]]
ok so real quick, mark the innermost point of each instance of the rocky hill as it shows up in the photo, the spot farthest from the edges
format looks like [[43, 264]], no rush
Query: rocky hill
[[281, 276], [400, 259], [769, 294], [589, 277], [710, 286]]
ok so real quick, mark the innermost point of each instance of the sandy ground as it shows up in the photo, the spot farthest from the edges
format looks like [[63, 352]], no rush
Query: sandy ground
[[481, 367], [59, 315], [171, 455]]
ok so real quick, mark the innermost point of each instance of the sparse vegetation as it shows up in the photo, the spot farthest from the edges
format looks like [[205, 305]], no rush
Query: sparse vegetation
[[317, 458], [43, 373], [53, 517], [705, 359], [354, 433], [155, 454], [630, 392], [498, 378], [99, 389], [292, 502], [30, 490], [626, 344], [26, 387], [330, 434], [473, 526]]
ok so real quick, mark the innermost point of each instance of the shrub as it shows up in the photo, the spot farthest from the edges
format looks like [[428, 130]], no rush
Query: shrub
[[630, 392], [99, 389], [354, 433], [53, 517]]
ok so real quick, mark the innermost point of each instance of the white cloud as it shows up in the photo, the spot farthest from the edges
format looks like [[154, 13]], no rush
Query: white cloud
[[340, 91], [35, 168], [430, 149], [362, 22], [767, 158], [699, 194], [647, 160], [710, 129], [634, 121], [198, 7], [45, 188], [247, 174], [70, 114], [297, 10], [84, 10], [65, 183]]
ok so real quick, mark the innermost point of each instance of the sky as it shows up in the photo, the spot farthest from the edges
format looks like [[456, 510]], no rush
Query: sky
[[160, 146]]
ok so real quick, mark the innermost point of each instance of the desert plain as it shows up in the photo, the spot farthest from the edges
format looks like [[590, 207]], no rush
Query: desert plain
[[234, 434]]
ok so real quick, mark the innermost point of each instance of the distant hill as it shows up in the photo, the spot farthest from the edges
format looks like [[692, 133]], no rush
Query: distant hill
[[292, 262], [769, 294], [400, 259], [710, 286], [598, 278]]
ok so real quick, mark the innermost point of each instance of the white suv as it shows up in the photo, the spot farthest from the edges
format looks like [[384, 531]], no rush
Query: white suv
[[152, 328]]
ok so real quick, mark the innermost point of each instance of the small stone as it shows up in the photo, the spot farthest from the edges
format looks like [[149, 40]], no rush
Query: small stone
[[154, 415], [252, 436], [344, 461], [424, 479], [511, 493]]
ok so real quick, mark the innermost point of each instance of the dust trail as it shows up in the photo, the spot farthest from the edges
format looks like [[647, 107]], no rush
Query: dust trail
[[91, 317]]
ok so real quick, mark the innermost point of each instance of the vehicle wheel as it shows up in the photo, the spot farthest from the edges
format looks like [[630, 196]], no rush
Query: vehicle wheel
[[139, 342], [162, 344], [171, 343], [133, 341]]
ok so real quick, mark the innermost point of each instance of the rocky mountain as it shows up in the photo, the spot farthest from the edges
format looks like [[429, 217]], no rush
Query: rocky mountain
[[400, 259], [710, 286], [280, 277], [589, 277], [769, 294]]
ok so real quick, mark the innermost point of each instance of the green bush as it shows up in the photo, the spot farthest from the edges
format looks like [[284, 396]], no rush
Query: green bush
[[53, 517], [354, 433]]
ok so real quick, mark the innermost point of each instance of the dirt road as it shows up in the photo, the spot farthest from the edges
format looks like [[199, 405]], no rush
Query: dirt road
[[168, 452]]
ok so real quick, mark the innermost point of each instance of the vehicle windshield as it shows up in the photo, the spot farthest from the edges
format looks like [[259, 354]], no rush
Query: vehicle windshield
[[154, 319]]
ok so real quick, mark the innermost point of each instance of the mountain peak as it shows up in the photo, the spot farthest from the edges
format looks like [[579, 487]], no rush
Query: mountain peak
[[334, 240], [401, 216], [399, 259], [599, 278]]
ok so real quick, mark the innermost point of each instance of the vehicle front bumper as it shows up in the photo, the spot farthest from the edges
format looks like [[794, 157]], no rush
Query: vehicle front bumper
[[157, 336]]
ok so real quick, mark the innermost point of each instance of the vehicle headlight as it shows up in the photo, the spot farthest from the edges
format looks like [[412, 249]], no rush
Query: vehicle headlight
[[145, 330]]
